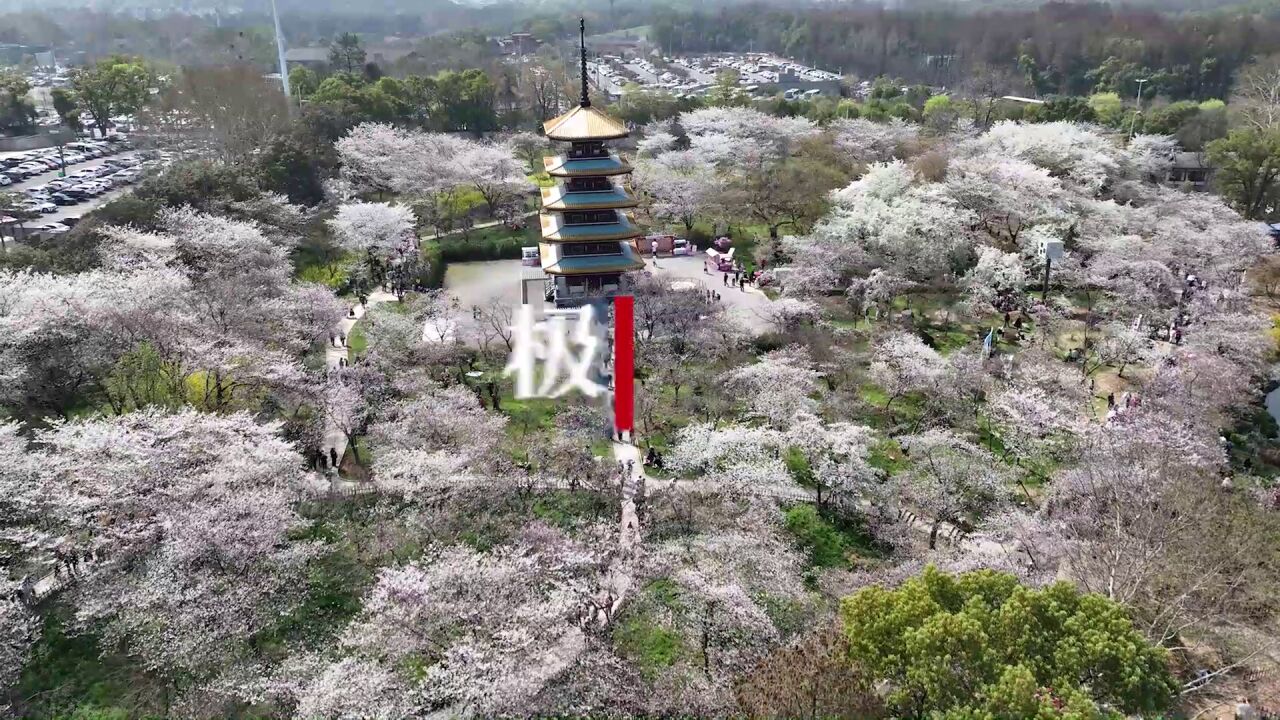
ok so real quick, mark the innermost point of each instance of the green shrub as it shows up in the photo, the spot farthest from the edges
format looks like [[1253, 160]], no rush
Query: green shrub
[[436, 264], [649, 645], [981, 645], [820, 539], [507, 248]]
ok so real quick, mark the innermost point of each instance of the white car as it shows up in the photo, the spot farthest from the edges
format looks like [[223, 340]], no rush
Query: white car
[[52, 228], [4, 180], [39, 206]]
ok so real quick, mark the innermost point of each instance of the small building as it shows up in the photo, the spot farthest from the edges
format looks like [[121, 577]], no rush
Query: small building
[[1190, 168], [314, 58], [519, 43]]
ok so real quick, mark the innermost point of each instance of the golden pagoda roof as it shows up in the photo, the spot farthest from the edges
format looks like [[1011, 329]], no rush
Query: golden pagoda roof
[[584, 123]]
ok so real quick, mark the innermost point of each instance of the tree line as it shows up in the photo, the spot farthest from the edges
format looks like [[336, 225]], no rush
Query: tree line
[[1058, 48]]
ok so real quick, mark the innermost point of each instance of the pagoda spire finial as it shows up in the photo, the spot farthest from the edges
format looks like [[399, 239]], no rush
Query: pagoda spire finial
[[582, 44]]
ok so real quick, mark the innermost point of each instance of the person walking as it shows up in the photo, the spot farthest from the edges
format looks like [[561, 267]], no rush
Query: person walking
[[333, 457], [1111, 400], [322, 462], [724, 278]]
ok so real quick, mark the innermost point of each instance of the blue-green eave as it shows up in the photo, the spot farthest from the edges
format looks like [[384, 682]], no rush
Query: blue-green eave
[[627, 261], [560, 166]]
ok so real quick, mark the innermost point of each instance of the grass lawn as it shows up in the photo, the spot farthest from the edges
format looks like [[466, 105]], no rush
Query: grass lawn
[[357, 343]]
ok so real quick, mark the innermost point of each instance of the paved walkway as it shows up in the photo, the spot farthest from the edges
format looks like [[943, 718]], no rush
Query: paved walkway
[[480, 226], [335, 441], [747, 305]]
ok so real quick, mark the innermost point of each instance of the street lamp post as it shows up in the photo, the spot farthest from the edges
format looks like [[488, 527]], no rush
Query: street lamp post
[[284, 70], [1134, 124], [1050, 250]]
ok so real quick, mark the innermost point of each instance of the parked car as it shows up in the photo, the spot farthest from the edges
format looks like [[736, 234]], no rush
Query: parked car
[[52, 228], [4, 180], [40, 206], [60, 198], [71, 221]]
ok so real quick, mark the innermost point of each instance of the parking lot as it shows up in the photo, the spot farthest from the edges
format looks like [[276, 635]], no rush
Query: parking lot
[[89, 182]]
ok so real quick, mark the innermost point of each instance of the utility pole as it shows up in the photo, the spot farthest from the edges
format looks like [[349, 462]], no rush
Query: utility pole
[[1134, 125], [284, 70]]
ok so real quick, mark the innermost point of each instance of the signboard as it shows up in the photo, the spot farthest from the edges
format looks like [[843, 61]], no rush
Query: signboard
[[562, 353]]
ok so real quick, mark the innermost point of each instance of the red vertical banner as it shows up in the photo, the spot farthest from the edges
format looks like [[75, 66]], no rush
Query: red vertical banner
[[624, 362]]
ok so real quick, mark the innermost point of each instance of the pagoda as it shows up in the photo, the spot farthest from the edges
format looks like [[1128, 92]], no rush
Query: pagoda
[[588, 240]]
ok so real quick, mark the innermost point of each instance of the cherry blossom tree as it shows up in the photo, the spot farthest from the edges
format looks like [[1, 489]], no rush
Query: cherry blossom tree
[[950, 478], [353, 688], [1151, 157], [837, 455], [887, 220], [731, 459], [790, 314], [382, 158], [1005, 196], [872, 142], [681, 186], [494, 172], [62, 334], [1039, 411], [426, 443], [364, 153], [754, 129], [1069, 151], [350, 399], [902, 364], [19, 630], [495, 627], [1134, 514], [186, 521], [778, 386], [378, 229], [877, 291], [996, 282]]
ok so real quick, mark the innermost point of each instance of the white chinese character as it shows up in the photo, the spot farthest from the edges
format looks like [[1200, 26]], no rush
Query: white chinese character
[[549, 341]]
